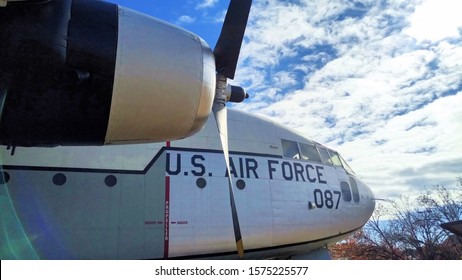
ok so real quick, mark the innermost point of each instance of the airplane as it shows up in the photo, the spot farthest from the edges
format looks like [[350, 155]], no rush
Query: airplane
[[161, 168]]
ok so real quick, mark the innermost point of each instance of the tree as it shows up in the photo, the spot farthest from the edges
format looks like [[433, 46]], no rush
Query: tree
[[358, 247], [409, 229]]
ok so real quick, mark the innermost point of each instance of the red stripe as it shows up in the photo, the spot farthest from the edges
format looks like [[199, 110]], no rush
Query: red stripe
[[167, 216]]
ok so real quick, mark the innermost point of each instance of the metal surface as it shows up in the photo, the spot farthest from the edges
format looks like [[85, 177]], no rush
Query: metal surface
[[84, 218], [229, 43], [221, 119], [164, 81]]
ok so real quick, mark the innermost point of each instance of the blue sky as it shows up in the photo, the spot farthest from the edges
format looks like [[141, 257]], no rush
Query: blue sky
[[380, 81], [203, 18]]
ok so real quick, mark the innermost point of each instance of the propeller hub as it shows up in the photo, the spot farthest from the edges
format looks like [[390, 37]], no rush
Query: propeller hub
[[235, 94], [221, 90]]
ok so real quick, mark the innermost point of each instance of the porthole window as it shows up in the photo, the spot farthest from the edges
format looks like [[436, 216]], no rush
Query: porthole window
[[4, 178], [110, 181], [240, 184], [346, 192], [59, 179], [201, 183]]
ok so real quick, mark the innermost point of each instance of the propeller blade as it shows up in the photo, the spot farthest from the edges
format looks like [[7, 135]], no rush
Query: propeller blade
[[221, 118], [229, 43]]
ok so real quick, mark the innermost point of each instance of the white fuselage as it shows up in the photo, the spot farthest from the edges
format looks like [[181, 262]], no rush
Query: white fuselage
[[171, 200]]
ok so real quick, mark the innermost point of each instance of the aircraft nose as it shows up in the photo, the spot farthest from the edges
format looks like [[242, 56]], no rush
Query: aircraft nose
[[370, 198], [367, 200]]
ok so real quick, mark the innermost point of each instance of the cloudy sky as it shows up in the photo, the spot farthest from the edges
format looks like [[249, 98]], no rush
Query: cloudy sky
[[379, 81]]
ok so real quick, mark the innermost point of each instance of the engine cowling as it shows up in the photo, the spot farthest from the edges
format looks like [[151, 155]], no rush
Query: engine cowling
[[82, 72]]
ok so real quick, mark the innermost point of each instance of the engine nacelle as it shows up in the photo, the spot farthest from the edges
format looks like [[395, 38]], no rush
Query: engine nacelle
[[84, 72]]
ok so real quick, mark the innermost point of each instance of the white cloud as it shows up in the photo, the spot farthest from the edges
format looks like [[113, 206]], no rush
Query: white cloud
[[206, 4], [435, 20], [185, 19], [284, 79], [219, 17], [387, 102]]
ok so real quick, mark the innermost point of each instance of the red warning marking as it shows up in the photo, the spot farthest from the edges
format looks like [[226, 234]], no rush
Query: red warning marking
[[167, 216]]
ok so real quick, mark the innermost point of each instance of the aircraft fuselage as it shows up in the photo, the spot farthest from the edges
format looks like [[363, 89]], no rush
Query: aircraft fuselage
[[171, 200]]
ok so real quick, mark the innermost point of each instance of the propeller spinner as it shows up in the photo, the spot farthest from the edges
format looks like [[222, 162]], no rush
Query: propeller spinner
[[226, 56]]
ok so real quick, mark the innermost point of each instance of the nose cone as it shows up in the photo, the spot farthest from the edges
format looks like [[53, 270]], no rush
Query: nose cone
[[369, 199], [366, 201]]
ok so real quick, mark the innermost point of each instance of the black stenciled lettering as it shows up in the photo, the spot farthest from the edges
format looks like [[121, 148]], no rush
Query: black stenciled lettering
[[308, 167], [178, 165], [196, 161], [251, 165], [318, 198], [271, 169], [338, 194], [287, 171], [320, 174], [298, 168], [329, 199], [241, 168], [232, 169]]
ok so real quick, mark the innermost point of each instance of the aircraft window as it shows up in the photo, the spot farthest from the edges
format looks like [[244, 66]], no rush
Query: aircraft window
[[59, 179], [290, 149], [354, 189], [110, 181], [346, 192], [325, 157], [346, 166], [201, 183], [334, 158], [4, 178], [240, 184], [309, 152]]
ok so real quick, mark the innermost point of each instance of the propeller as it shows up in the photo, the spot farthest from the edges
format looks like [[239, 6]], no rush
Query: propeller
[[226, 54]]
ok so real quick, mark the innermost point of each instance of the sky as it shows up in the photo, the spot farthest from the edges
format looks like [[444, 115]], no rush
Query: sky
[[378, 81]]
